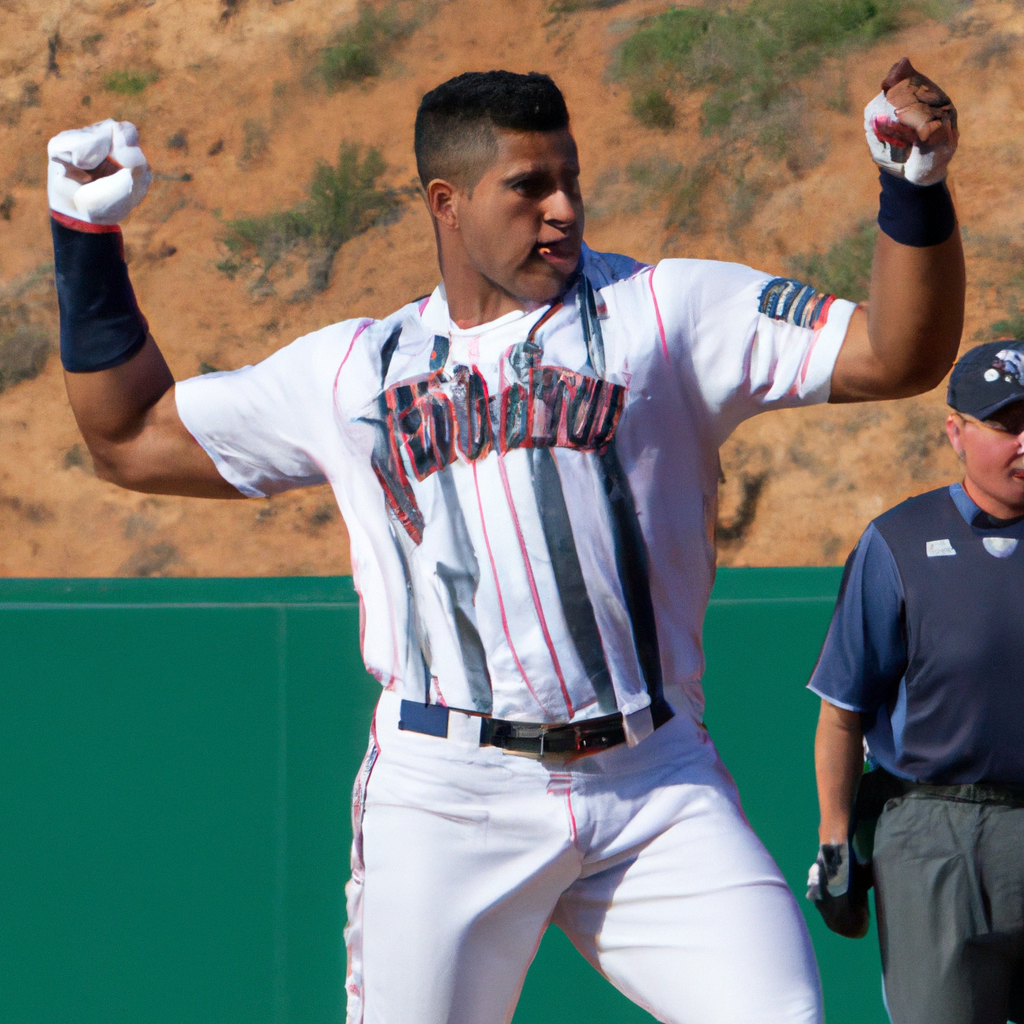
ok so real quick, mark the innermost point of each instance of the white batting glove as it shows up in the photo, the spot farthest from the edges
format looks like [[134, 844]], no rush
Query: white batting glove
[[911, 126], [110, 148]]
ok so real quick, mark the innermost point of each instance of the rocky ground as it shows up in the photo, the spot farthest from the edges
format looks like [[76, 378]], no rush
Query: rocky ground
[[234, 119]]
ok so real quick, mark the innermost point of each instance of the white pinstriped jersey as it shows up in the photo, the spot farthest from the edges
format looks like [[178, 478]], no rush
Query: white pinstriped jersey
[[530, 503]]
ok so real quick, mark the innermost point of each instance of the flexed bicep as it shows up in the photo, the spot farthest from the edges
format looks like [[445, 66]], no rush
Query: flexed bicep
[[129, 420]]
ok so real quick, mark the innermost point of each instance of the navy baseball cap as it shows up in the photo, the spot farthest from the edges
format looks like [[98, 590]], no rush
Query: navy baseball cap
[[988, 378]]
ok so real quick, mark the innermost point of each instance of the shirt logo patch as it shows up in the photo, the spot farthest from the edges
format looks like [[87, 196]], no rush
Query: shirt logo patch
[[795, 303], [1000, 547], [939, 548]]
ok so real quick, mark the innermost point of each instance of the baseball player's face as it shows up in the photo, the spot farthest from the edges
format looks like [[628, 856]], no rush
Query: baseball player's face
[[993, 457], [522, 226]]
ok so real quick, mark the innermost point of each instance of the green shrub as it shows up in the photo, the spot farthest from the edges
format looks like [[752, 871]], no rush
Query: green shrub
[[129, 83], [845, 268], [358, 51], [748, 61], [684, 203], [229, 266], [749, 56], [343, 201], [653, 109], [662, 42], [1012, 326], [653, 176]]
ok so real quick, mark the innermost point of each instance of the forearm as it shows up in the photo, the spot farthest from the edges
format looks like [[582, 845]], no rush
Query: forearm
[[916, 312], [907, 339], [113, 370], [111, 406], [115, 375], [839, 763], [116, 411]]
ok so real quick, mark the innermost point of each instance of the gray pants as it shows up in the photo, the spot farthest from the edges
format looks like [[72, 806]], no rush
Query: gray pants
[[949, 892]]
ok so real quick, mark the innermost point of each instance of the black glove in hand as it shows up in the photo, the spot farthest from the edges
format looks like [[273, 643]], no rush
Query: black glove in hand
[[839, 889]]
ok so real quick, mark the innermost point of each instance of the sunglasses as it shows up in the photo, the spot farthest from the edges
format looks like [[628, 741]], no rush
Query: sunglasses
[[1008, 421]]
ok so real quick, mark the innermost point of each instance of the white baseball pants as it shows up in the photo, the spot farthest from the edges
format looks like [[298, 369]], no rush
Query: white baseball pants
[[464, 854]]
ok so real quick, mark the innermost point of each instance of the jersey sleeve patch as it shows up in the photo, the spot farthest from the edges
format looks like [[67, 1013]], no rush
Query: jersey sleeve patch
[[795, 303]]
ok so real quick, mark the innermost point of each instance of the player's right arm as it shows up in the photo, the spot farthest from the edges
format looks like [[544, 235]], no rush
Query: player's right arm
[[118, 383], [129, 420]]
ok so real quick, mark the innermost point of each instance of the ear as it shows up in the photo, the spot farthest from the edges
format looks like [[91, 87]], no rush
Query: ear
[[443, 200], [954, 431]]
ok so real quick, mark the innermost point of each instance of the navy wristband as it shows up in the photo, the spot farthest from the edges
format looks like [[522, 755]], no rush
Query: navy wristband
[[917, 215], [101, 325]]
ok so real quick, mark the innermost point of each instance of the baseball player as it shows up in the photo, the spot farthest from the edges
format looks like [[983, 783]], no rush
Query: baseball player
[[527, 462]]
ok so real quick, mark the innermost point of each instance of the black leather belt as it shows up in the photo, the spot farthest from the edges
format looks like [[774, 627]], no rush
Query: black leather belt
[[531, 738], [884, 786], [1002, 793]]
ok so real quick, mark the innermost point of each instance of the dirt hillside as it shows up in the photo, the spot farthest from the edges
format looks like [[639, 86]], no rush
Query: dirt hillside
[[234, 118]]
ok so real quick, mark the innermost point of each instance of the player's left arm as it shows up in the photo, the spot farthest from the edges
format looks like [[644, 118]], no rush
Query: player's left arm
[[907, 338]]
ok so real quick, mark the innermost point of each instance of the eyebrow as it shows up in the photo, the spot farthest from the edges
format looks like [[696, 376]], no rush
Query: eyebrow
[[522, 175], [536, 172]]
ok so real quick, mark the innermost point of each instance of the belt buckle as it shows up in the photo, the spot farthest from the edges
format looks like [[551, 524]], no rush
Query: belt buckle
[[540, 753]]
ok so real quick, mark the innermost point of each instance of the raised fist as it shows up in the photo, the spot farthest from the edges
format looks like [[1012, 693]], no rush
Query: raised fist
[[97, 174], [911, 126]]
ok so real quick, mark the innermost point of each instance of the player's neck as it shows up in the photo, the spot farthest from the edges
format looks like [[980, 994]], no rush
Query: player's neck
[[474, 300]]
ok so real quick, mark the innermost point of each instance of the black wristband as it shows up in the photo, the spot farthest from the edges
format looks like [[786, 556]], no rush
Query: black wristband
[[101, 325], [917, 215]]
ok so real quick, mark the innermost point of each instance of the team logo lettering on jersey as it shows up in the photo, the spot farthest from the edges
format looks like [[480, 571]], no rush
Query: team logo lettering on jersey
[[398, 492], [795, 303], [427, 423], [559, 408], [422, 422], [472, 413]]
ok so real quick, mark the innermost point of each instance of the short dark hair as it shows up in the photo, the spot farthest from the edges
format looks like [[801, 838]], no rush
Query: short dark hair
[[455, 122]]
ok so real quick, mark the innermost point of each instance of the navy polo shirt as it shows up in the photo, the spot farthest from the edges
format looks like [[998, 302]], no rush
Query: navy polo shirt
[[927, 641]]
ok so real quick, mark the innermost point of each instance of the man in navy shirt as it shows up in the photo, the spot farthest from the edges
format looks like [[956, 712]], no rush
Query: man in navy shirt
[[923, 668]]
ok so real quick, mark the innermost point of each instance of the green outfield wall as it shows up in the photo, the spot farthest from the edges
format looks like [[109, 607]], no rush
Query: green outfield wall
[[176, 759]]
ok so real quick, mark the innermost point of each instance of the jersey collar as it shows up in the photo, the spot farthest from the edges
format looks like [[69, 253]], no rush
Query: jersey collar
[[973, 515]]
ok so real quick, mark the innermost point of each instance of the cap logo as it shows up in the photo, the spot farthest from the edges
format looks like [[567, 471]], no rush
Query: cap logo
[[991, 374], [1010, 363]]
